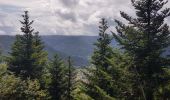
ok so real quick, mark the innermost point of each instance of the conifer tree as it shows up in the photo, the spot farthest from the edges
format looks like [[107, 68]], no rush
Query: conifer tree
[[103, 50], [145, 39], [71, 75], [95, 88], [79, 89], [120, 84], [58, 83], [102, 53], [39, 56], [99, 85], [27, 58]]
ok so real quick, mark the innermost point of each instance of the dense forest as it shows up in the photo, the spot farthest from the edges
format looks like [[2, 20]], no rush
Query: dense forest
[[135, 70]]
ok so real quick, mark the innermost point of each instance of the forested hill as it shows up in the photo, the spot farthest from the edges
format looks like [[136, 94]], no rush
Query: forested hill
[[78, 47]]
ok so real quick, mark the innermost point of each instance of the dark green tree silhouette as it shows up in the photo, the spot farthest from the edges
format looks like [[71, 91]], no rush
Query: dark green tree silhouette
[[103, 50], [27, 57], [58, 85], [99, 79], [145, 39], [71, 80]]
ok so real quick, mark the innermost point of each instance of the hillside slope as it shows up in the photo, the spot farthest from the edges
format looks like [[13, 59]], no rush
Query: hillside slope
[[78, 47]]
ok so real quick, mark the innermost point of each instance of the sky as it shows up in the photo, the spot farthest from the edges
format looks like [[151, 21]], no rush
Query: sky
[[62, 17]]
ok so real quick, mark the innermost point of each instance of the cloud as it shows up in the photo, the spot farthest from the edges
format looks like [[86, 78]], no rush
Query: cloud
[[67, 15], [70, 3], [62, 17]]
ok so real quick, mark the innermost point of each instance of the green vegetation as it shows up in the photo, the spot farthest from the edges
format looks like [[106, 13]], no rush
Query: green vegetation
[[137, 70], [27, 58], [145, 40]]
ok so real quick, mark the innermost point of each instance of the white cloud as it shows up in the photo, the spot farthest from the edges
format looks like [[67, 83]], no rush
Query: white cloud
[[62, 17]]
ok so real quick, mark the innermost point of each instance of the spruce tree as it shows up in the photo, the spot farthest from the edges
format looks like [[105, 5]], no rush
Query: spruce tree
[[121, 86], [71, 75], [145, 39], [57, 87], [39, 56], [103, 50], [24, 60], [102, 53], [99, 85]]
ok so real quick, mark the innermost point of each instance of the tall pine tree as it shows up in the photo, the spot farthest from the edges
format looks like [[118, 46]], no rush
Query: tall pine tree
[[145, 39], [102, 53], [103, 50], [27, 57], [71, 75], [58, 83], [99, 85]]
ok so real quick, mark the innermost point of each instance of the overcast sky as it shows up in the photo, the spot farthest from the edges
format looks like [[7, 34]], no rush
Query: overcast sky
[[62, 17]]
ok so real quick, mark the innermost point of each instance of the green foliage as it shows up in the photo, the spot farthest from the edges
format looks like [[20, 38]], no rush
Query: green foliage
[[102, 95], [39, 56], [136, 71], [100, 84], [78, 92], [103, 50], [30, 89], [58, 84], [145, 39], [13, 88], [27, 58], [70, 77], [120, 84]]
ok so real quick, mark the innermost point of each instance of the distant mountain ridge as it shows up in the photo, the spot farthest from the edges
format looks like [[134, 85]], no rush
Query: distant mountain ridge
[[79, 48]]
